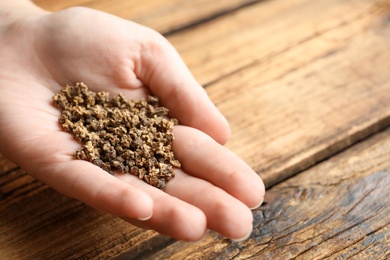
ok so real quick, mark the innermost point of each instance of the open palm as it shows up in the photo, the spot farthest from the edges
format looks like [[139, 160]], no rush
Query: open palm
[[41, 52]]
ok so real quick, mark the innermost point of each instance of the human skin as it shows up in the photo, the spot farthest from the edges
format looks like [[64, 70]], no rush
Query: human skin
[[42, 51]]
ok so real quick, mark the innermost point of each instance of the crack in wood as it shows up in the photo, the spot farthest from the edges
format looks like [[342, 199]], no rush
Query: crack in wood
[[211, 17]]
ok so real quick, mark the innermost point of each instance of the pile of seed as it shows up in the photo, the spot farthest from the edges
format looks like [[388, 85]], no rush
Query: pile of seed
[[130, 136]]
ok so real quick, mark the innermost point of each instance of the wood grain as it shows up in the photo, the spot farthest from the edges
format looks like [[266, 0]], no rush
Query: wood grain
[[299, 81], [302, 94], [318, 45], [339, 209], [331, 56]]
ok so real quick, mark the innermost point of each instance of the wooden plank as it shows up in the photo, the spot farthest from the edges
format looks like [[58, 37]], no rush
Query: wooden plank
[[245, 68], [339, 209], [295, 96], [292, 99], [164, 16], [319, 109], [261, 33]]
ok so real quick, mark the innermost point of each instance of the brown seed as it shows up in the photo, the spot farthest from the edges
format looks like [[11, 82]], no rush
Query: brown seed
[[131, 136]]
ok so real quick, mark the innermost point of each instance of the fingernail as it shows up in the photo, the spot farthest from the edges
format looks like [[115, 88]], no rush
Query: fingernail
[[258, 205], [244, 237], [147, 218]]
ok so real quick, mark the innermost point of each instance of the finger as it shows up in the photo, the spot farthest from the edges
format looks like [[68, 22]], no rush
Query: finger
[[204, 158], [171, 216], [225, 214], [168, 77], [97, 188]]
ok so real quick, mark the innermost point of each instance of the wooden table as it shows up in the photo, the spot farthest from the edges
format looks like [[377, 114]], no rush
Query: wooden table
[[305, 86]]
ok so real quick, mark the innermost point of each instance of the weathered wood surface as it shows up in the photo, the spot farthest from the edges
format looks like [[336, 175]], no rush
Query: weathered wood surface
[[339, 209], [288, 75], [299, 81]]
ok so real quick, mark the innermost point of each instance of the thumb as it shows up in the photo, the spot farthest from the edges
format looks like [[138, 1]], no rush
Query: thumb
[[163, 70]]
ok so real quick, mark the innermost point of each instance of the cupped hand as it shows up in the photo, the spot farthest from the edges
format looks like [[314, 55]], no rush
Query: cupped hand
[[41, 52]]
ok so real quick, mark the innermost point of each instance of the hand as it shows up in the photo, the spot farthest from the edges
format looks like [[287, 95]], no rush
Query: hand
[[41, 52]]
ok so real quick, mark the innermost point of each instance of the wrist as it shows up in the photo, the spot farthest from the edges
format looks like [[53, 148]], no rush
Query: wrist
[[13, 11], [17, 9]]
